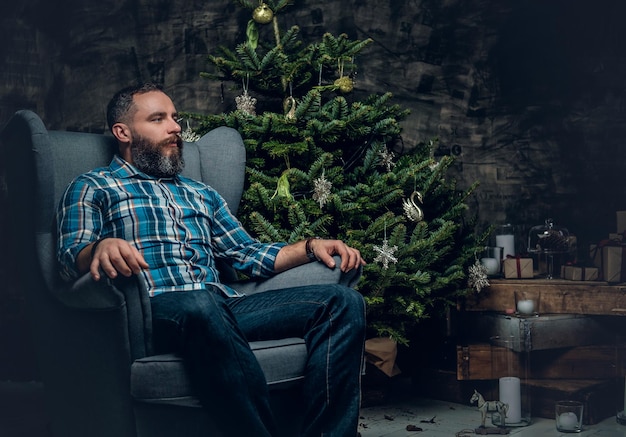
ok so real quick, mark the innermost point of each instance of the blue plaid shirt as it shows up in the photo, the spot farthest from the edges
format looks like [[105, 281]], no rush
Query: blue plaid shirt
[[179, 225]]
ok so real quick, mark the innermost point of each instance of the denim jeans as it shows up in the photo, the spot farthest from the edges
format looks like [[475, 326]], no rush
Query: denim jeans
[[212, 332]]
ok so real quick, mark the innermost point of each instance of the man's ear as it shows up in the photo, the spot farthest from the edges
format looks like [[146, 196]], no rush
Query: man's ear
[[121, 132]]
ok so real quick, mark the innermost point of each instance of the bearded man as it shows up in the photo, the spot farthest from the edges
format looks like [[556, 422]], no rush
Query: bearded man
[[139, 216]]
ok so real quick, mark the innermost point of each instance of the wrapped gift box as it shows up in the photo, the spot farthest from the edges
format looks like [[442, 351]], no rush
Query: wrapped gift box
[[518, 268], [574, 273], [610, 260]]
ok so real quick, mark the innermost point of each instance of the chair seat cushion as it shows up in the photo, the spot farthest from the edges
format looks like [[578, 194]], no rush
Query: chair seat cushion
[[163, 378]]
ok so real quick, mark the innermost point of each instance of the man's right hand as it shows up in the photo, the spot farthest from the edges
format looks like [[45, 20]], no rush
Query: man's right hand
[[113, 256]]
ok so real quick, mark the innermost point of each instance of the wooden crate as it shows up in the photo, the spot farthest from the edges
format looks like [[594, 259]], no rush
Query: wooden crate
[[599, 398], [549, 331], [485, 361], [555, 296]]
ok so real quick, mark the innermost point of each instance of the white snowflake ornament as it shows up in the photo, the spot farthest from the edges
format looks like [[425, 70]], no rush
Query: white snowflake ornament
[[321, 190], [246, 103], [386, 158], [385, 254], [478, 277], [188, 135]]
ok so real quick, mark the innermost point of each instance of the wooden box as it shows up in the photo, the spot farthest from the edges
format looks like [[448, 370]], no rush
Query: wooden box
[[542, 332], [482, 361], [599, 397]]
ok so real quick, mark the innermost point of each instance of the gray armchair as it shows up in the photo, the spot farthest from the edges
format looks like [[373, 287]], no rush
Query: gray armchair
[[93, 339]]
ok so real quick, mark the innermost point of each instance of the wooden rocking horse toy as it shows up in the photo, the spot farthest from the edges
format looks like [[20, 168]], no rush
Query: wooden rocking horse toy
[[488, 407]]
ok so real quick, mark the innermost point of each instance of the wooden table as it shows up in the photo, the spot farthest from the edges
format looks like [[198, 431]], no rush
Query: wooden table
[[553, 296]]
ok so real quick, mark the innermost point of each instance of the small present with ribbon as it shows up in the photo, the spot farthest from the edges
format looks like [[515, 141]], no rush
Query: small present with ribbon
[[579, 273], [517, 267]]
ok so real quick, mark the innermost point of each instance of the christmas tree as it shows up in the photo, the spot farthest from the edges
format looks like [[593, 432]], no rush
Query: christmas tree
[[323, 163]]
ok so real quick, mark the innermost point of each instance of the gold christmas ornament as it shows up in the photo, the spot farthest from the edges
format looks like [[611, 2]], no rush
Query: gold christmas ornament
[[289, 106], [262, 14], [344, 84]]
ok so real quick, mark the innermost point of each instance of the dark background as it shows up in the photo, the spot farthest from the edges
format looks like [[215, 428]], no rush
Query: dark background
[[528, 95]]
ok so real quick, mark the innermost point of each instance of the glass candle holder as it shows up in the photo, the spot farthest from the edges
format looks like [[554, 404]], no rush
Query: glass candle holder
[[491, 259], [510, 364], [569, 416], [527, 302]]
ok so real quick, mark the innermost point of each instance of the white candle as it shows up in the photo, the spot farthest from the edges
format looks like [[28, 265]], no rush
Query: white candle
[[491, 265], [510, 393], [507, 241], [526, 306], [568, 421]]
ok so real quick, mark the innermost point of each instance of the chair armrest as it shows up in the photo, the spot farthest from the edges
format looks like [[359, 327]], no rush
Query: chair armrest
[[87, 294], [126, 294], [306, 274]]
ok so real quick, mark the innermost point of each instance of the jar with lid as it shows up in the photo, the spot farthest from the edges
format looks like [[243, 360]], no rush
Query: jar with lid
[[552, 245]]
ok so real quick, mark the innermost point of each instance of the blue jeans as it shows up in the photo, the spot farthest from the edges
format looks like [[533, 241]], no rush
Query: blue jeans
[[212, 332]]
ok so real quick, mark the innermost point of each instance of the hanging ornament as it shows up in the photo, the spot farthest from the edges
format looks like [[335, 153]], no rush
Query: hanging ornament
[[252, 33], [411, 210], [289, 107], [245, 102], [262, 14], [477, 278], [344, 83], [188, 135], [385, 252], [283, 188], [321, 190], [386, 158]]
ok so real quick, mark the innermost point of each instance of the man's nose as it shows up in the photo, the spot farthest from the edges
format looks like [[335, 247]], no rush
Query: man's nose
[[175, 127]]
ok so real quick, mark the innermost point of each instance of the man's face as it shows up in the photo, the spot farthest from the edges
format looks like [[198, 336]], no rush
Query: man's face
[[156, 146]]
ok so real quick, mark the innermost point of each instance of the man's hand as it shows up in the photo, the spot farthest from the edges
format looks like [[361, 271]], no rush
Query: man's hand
[[295, 255], [325, 249], [113, 256]]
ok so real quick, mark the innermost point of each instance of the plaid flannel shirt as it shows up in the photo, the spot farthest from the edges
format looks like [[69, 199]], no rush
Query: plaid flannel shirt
[[179, 225]]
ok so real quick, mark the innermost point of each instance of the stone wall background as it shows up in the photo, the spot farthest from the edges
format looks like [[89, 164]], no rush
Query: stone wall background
[[529, 96]]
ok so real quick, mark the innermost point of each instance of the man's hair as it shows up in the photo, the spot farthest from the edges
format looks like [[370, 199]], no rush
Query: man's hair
[[119, 109]]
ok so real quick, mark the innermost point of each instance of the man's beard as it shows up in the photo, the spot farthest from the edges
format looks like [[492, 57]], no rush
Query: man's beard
[[148, 157]]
